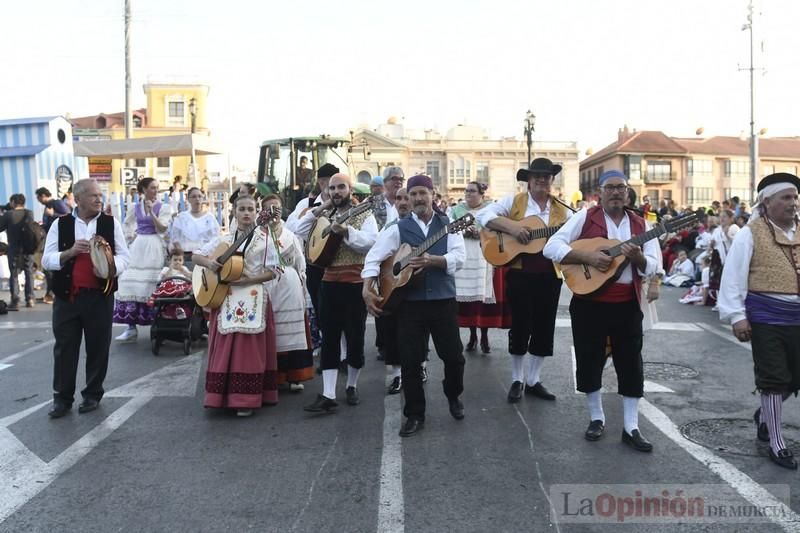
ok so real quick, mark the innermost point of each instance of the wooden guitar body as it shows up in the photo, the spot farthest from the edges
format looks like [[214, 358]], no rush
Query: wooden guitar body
[[209, 287], [501, 248], [322, 243], [585, 280], [393, 285]]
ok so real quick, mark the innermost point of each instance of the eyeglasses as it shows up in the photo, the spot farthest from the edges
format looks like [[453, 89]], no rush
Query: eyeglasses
[[615, 188], [472, 190]]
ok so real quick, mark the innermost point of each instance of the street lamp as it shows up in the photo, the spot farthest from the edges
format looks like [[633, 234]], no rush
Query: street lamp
[[530, 122], [753, 137], [193, 115]]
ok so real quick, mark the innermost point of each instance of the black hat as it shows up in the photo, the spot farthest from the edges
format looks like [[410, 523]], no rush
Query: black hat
[[327, 170], [779, 177], [541, 166]]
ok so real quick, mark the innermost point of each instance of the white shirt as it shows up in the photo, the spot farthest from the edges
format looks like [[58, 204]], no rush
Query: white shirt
[[558, 246], [686, 267], [360, 240], [502, 208], [389, 242], [51, 258], [391, 211], [733, 286], [294, 217], [722, 244], [193, 232]]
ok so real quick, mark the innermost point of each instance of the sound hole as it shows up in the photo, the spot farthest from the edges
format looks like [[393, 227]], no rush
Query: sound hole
[[396, 268]]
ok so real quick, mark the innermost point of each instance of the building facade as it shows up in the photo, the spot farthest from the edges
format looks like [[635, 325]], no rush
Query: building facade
[[691, 171], [168, 112], [462, 155]]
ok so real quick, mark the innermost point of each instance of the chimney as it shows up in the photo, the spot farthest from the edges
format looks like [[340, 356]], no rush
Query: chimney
[[623, 134]]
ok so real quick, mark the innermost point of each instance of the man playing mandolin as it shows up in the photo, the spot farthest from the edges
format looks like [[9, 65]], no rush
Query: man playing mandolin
[[341, 308], [613, 310], [532, 284], [429, 307]]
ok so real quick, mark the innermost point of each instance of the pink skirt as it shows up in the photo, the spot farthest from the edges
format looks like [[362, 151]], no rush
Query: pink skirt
[[242, 368]]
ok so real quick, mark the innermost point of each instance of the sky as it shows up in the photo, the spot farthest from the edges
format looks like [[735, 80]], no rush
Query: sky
[[276, 69]]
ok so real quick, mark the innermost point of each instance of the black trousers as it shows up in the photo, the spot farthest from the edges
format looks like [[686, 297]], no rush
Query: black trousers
[[534, 303], [386, 338], [90, 316], [313, 281], [415, 321], [776, 357], [342, 309], [592, 323]]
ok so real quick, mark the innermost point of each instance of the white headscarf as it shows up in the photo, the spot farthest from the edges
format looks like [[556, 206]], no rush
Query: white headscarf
[[768, 192]]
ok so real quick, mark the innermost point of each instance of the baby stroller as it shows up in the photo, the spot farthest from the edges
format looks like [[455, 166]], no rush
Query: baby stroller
[[177, 317]]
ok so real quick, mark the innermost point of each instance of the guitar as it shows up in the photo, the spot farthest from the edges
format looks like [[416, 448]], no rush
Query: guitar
[[210, 288], [500, 248], [585, 280], [323, 243], [396, 278]]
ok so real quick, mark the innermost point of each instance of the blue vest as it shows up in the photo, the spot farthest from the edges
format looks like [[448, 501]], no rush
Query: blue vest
[[435, 284]]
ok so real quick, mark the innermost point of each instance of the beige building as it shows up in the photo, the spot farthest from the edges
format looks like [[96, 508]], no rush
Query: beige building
[[463, 154], [693, 172]]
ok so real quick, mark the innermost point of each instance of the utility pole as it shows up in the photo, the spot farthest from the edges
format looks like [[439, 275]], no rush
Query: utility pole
[[128, 117], [753, 137]]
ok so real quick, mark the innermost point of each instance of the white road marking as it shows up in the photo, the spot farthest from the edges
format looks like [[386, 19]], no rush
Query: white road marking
[[3, 366], [26, 351], [391, 506], [649, 386], [727, 336], [23, 474], [23, 324], [749, 489]]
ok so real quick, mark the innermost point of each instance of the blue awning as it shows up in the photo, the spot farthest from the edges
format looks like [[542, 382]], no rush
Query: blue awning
[[22, 151]]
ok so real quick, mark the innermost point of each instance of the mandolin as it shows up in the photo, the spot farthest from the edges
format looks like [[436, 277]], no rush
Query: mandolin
[[210, 288], [500, 248], [396, 278], [586, 280], [323, 243]]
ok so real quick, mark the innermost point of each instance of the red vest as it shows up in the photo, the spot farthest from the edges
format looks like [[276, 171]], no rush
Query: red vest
[[595, 226]]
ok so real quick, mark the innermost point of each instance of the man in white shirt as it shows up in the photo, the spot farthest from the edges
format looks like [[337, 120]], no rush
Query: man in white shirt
[[429, 307], [759, 296], [84, 304], [532, 283], [614, 311]]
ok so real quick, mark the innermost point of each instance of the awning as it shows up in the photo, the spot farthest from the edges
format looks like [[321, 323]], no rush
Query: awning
[[169, 146]]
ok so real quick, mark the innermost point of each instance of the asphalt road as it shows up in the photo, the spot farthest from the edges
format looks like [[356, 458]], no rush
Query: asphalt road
[[152, 459]]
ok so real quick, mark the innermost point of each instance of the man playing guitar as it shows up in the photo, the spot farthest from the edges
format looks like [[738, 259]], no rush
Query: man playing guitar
[[342, 309], [532, 284], [612, 311]]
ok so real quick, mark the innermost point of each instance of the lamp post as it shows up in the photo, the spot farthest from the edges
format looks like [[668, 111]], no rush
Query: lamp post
[[753, 137], [193, 115], [530, 122]]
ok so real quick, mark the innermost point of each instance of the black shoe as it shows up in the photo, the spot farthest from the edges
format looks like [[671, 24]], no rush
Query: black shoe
[[456, 409], [515, 392], [783, 458], [13, 306], [88, 405], [472, 344], [396, 386], [485, 346], [59, 409], [636, 441], [595, 430], [424, 374], [762, 433], [321, 405], [539, 391], [411, 427], [352, 396]]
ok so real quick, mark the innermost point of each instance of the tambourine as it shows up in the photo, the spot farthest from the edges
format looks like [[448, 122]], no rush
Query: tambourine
[[103, 262]]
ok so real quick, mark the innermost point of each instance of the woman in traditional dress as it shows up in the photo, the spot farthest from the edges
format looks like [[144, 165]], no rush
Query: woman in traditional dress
[[288, 297], [242, 362], [192, 229], [149, 221], [479, 286]]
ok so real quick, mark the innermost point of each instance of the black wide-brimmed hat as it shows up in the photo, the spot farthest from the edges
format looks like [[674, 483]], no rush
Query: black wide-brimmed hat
[[779, 177], [541, 166]]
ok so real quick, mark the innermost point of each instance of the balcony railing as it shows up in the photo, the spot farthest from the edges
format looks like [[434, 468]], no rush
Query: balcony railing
[[660, 177]]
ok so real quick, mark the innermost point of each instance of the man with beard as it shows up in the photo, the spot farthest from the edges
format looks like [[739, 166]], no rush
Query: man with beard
[[613, 312], [430, 306], [532, 283], [341, 307]]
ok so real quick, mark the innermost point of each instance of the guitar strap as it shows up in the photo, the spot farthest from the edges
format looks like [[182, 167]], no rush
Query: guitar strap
[[246, 243]]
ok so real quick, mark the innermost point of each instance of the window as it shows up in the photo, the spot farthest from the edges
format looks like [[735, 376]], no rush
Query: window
[[659, 170], [653, 194], [634, 167], [432, 170], [469, 169], [451, 164], [176, 110], [736, 168], [743, 194], [699, 167], [770, 169], [699, 195], [163, 162], [482, 171], [140, 163], [137, 122]]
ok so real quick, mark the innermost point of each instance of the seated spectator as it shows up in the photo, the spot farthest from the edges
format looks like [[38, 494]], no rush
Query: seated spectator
[[682, 271]]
